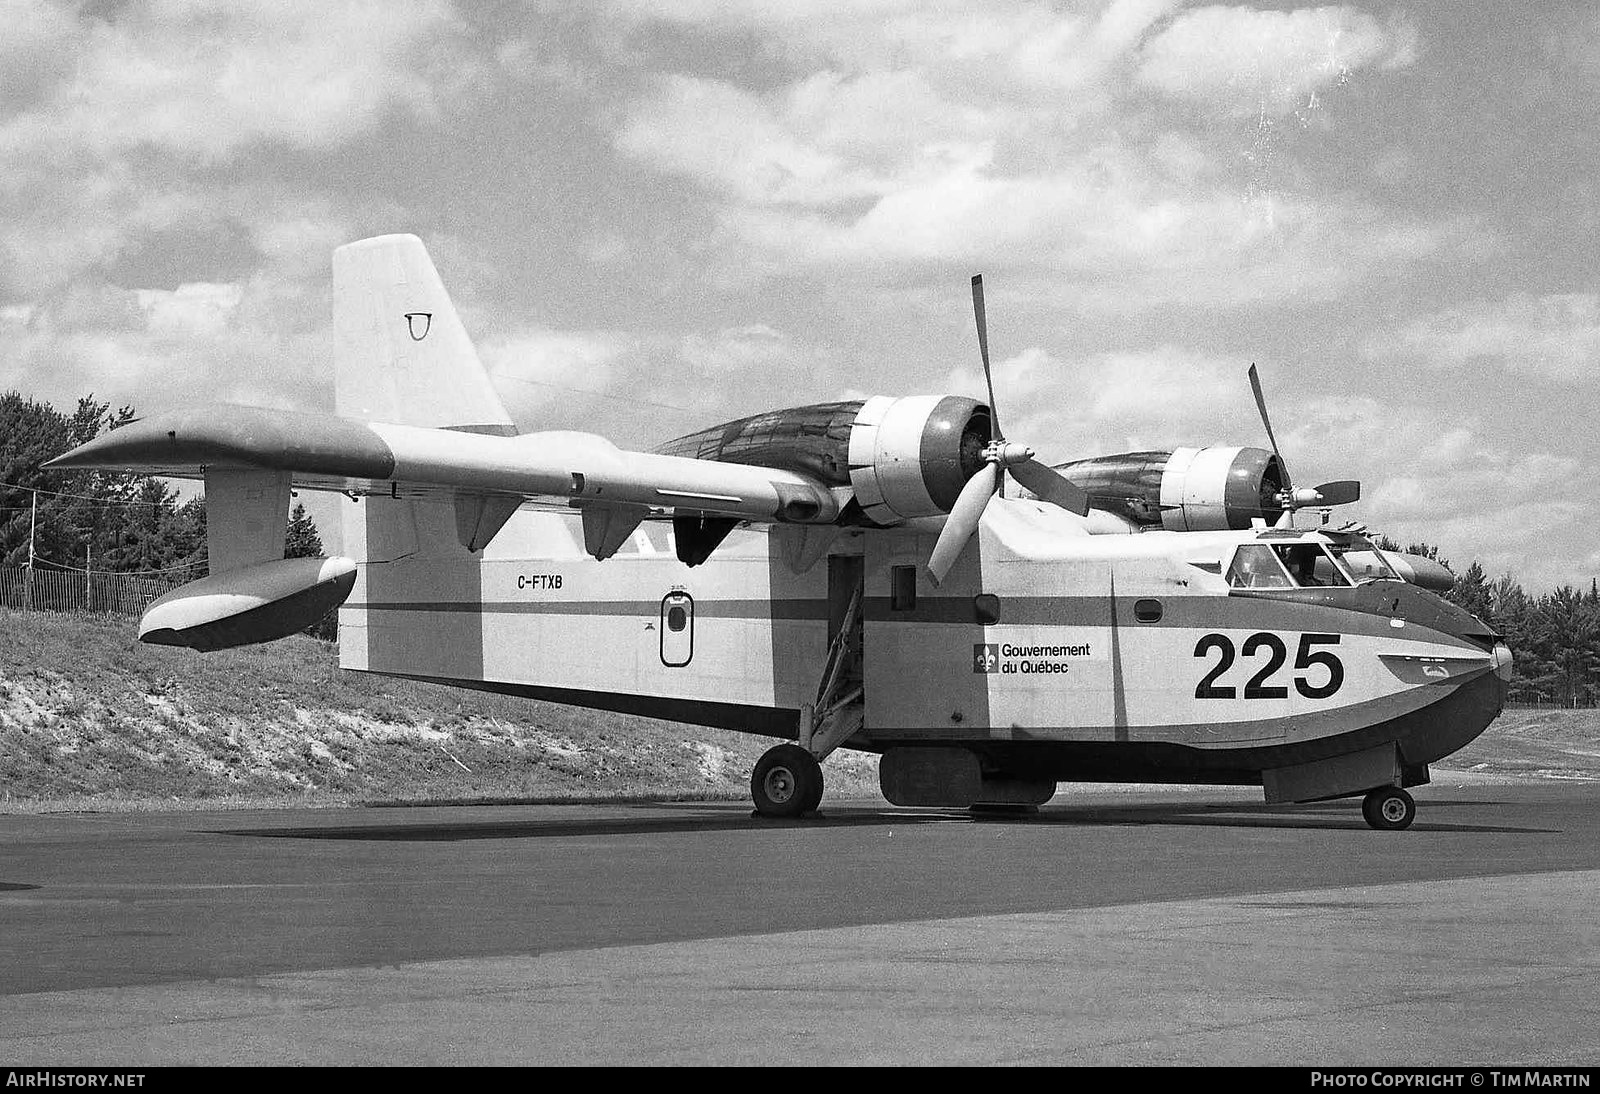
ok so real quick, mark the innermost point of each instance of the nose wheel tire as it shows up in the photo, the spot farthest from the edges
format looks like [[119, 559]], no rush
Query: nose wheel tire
[[786, 782], [1389, 809]]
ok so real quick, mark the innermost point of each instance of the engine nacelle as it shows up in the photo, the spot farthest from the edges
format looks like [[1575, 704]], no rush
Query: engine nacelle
[[911, 457], [902, 457], [253, 604], [1185, 490]]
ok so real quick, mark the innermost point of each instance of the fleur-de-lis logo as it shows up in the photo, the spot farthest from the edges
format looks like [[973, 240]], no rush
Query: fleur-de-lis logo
[[986, 657], [419, 322]]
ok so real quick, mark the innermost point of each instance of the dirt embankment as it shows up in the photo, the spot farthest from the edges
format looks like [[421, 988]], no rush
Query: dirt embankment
[[89, 716]]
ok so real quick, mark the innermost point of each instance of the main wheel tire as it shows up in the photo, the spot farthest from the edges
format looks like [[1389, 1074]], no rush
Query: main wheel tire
[[1389, 809], [786, 782], [814, 797]]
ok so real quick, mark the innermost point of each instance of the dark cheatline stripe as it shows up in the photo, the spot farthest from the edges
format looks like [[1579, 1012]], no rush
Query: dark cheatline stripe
[[1192, 612], [703, 609]]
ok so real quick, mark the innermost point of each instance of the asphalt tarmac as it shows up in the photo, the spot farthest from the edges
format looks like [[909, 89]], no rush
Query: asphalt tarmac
[[1114, 927]]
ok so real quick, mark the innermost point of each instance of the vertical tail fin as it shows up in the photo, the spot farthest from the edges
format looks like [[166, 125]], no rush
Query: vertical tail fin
[[402, 354]]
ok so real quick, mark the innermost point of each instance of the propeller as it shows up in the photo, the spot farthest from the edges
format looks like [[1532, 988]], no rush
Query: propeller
[[1338, 492], [999, 457]]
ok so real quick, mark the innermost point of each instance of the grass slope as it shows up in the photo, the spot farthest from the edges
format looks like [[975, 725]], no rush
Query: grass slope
[[90, 717]]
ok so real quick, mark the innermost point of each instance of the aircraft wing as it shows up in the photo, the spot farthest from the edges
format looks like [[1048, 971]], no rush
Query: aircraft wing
[[327, 452]]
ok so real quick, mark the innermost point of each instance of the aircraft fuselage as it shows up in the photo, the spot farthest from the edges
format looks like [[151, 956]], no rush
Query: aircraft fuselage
[[1047, 654]]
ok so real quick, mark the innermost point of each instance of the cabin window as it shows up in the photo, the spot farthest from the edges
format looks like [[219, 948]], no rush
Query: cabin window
[[1147, 611], [987, 608], [677, 629], [903, 588], [1310, 565], [1256, 567]]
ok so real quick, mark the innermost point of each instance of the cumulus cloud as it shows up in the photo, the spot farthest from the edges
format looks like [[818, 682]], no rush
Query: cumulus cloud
[[1555, 335], [1127, 400], [198, 308], [554, 360], [1452, 486], [205, 79], [1238, 60], [1007, 132]]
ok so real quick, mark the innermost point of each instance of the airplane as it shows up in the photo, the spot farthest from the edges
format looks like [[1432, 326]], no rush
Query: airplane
[[845, 574]]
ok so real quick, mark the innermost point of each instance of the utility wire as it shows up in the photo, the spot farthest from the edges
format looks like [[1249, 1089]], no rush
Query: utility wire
[[103, 500]]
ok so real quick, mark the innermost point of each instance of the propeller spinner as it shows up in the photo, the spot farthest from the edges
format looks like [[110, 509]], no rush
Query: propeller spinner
[[1338, 492], [999, 457]]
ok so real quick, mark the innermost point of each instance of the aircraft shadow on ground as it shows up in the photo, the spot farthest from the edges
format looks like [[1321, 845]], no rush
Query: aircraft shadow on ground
[[618, 826], [1323, 815], [696, 819]]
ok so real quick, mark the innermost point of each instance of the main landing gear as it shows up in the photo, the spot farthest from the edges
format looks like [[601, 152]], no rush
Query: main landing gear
[[786, 782], [1389, 808]]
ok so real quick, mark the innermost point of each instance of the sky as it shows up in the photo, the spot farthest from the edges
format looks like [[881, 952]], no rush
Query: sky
[[656, 216]]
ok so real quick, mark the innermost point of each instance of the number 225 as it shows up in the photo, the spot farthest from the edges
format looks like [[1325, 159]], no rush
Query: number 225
[[1277, 653]]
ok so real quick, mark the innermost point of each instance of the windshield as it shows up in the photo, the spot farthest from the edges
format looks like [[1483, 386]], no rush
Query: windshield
[[1361, 557], [1256, 567], [1310, 565], [1304, 565]]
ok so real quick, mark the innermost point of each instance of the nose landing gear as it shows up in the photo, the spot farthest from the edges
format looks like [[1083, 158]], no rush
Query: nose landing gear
[[1389, 809]]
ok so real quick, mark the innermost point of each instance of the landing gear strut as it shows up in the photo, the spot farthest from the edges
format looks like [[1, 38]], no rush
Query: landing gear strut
[[1389, 808], [786, 782]]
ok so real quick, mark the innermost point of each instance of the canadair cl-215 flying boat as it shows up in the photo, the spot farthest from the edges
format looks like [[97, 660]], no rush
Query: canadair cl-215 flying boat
[[846, 574]]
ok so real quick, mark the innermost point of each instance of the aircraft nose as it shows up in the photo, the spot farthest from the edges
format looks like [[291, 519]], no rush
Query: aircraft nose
[[1502, 661]]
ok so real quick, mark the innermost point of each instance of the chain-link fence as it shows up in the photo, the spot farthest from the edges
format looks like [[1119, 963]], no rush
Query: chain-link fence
[[24, 588]]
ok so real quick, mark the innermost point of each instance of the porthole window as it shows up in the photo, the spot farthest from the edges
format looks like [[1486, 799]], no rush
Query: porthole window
[[677, 629], [1147, 611], [987, 608]]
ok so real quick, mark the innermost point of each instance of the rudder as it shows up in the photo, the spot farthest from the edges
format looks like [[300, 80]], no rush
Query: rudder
[[403, 356]]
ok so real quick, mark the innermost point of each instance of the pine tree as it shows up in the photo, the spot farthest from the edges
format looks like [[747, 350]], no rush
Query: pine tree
[[303, 541]]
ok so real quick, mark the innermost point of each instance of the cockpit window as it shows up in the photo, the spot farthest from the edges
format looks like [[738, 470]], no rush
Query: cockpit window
[[1256, 567], [1310, 565], [1362, 559]]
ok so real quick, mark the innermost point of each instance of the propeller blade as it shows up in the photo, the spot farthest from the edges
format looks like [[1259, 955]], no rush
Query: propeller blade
[[1342, 492], [983, 350], [1052, 486], [963, 520], [1261, 405]]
